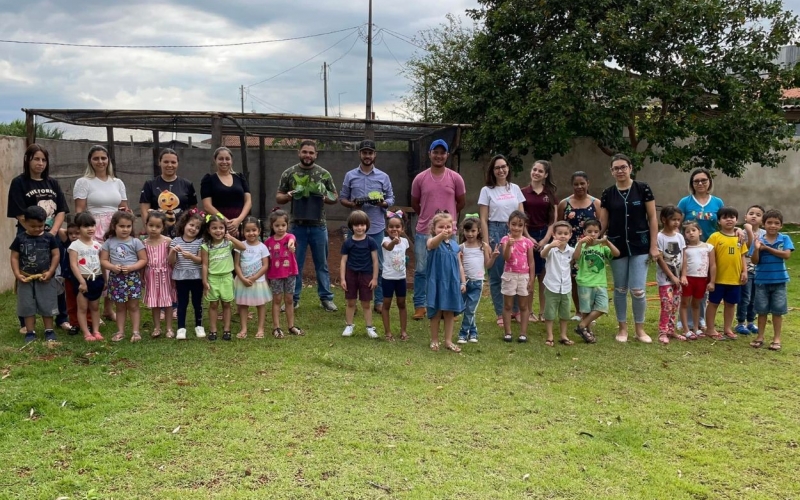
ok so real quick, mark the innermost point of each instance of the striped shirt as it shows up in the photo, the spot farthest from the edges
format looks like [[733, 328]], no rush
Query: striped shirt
[[184, 268], [771, 269]]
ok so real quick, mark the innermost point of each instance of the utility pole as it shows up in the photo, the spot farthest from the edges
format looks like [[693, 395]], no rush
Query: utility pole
[[368, 132], [241, 95], [325, 79]]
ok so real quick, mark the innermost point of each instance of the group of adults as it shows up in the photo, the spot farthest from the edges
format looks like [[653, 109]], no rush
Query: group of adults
[[626, 210]]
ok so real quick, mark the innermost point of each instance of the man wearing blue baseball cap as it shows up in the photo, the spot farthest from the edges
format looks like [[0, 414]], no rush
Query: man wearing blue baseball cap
[[435, 189]]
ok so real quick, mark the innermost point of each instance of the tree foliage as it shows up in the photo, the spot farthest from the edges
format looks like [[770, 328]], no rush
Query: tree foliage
[[17, 128], [685, 82]]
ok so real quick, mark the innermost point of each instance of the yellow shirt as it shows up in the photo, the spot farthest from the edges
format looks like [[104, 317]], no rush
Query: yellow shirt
[[728, 252]]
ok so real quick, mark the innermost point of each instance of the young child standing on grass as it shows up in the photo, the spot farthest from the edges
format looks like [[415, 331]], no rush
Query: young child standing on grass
[[394, 248], [446, 280], [87, 275], [745, 310], [558, 281], [668, 275], [34, 260], [476, 256], [187, 270], [731, 273], [772, 251], [68, 301], [698, 264], [250, 286], [159, 291], [124, 256], [216, 255], [282, 273], [518, 274], [593, 256], [359, 271]]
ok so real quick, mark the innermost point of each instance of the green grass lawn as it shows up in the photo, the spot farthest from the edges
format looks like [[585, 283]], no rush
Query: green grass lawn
[[326, 417]]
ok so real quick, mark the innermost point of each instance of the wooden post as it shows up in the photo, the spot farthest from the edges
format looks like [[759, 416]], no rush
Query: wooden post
[[262, 178], [156, 150], [110, 146], [216, 132], [30, 129]]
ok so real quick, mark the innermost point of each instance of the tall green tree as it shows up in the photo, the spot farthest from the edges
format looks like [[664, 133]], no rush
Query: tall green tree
[[685, 82], [17, 129]]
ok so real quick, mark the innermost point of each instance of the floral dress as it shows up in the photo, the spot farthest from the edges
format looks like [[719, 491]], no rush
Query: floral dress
[[577, 217]]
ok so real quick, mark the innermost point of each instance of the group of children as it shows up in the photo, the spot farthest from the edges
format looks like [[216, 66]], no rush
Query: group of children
[[738, 267], [200, 262]]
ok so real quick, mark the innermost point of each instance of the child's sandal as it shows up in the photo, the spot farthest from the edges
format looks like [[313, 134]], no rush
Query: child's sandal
[[155, 333], [259, 334], [296, 331], [277, 333], [404, 336], [118, 337], [170, 334], [241, 335], [434, 346], [89, 337], [663, 338], [135, 337], [389, 337]]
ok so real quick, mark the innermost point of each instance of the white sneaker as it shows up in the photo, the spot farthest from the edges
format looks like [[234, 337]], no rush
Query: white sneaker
[[200, 332], [371, 333], [575, 318], [181, 335], [348, 331]]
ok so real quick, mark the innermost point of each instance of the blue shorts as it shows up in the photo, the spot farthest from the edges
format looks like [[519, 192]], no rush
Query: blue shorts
[[94, 287], [771, 299], [394, 287], [728, 293]]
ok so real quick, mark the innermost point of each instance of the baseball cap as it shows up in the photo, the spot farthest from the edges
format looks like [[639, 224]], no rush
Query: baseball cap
[[366, 144], [439, 142]]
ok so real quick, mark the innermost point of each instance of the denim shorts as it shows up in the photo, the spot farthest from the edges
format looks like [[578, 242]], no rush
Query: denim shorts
[[771, 299], [592, 298], [728, 293]]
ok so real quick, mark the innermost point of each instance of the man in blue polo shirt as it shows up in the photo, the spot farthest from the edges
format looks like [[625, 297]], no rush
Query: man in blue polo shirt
[[355, 195]]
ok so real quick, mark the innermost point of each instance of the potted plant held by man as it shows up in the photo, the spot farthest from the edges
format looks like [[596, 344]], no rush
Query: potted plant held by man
[[308, 197]]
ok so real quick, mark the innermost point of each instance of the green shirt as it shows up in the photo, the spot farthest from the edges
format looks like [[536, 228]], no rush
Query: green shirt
[[220, 257], [316, 173], [592, 266]]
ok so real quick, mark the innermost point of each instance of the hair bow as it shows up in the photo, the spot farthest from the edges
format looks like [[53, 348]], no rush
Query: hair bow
[[275, 209], [471, 216], [195, 211], [210, 217], [398, 214]]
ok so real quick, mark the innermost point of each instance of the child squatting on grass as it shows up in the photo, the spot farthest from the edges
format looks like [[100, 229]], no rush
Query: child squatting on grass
[[34, 260], [394, 247], [772, 250], [359, 271]]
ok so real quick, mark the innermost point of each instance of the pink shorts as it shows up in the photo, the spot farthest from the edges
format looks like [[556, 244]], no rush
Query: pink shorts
[[696, 287]]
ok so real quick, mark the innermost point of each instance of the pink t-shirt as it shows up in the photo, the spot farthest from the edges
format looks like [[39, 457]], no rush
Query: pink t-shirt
[[436, 194], [282, 263], [518, 260]]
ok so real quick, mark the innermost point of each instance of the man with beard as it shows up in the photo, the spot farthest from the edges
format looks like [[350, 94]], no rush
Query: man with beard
[[435, 189], [309, 233], [369, 189]]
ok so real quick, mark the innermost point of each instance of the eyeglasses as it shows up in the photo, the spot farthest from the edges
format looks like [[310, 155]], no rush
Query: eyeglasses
[[619, 169], [700, 181], [501, 167]]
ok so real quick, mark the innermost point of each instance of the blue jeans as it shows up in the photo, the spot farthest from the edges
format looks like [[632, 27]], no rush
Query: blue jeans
[[420, 261], [315, 237], [630, 273], [472, 296], [745, 310]]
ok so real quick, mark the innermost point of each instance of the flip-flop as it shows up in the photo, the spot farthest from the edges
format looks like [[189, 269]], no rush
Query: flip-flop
[[500, 321], [135, 337], [434, 346], [549, 343], [259, 335], [117, 337], [404, 336], [389, 337], [757, 344], [774, 346], [241, 335], [452, 347], [565, 342]]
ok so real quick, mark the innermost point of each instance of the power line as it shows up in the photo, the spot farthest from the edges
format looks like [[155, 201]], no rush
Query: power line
[[237, 44], [402, 38], [354, 30], [267, 104], [348, 50], [390, 51]]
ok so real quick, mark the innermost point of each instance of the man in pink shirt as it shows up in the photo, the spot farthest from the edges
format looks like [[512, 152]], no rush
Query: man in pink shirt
[[435, 189]]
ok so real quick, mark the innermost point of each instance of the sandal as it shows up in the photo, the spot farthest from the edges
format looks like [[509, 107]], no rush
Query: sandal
[[716, 336], [389, 337], [500, 321], [170, 334], [774, 346], [117, 337], [663, 338], [135, 337], [156, 333], [277, 333], [532, 318], [226, 336], [296, 331], [731, 336], [522, 339], [241, 335], [757, 344], [585, 334], [690, 336], [549, 343], [678, 336], [404, 336], [259, 334], [507, 337], [97, 336], [565, 342], [89, 337], [434, 346], [452, 347]]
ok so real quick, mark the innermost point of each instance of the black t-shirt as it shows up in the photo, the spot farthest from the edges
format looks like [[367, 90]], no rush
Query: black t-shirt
[[46, 193], [182, 188], [35, 252], [628, 226], [228, 200], [359, 254]]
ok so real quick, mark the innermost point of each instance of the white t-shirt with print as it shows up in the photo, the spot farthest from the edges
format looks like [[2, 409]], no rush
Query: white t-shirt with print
[[671, 248], [697, 259], [88, 257], [501, 200], [394, 262], [250, 259]]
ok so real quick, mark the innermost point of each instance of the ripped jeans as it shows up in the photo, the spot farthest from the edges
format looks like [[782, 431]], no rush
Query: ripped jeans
[[630, 273]]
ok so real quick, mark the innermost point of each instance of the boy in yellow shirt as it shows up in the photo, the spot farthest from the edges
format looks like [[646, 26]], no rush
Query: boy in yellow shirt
[[729, 252]]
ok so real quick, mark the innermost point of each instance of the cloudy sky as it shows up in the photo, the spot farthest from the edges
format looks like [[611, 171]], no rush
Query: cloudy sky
[[43, 76]]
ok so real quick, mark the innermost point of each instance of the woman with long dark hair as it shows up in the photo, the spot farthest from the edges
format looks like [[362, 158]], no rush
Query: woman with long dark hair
[[540, 207]]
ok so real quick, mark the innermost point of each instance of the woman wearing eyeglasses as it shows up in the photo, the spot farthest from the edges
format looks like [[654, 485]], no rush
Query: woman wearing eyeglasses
[[497, 200], [628, 218]]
